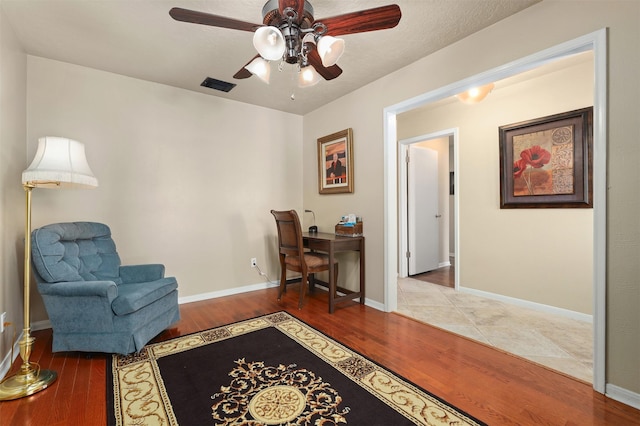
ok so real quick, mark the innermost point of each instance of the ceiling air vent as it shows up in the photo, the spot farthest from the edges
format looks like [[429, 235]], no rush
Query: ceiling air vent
[[212, 83]]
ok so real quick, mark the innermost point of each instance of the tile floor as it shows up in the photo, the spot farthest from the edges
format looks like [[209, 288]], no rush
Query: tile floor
[[557, 342]]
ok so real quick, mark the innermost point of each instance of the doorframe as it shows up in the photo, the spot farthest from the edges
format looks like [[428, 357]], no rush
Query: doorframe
[[596, 41], [403, 241]]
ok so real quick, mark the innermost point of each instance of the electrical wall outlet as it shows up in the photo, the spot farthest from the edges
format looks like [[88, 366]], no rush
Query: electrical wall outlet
[[3, 318], [254, 262]]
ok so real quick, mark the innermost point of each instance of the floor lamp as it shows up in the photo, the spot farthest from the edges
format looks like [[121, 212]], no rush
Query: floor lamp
[[58, 163]]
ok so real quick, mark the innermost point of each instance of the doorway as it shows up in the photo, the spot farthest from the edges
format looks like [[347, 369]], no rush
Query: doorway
[[595, 42], [443, 211]]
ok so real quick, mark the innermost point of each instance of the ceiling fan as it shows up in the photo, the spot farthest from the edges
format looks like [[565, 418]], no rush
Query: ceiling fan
[[292, 35]]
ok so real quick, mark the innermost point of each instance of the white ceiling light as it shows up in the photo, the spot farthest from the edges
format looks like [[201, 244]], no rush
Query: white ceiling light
[[260, 68], [475, 94], [330, 50], [269, 42], [308, 77]]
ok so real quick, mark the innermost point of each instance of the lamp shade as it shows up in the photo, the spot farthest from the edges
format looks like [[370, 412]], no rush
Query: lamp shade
[[59, 162], [330, 50], [308, 77], [260, 68], [269, 42]]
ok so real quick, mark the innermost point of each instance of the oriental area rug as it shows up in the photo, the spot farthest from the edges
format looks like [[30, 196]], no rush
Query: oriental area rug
[[270, 370]]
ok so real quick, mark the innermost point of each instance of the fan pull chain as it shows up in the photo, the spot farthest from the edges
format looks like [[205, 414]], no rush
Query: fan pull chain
[[294, 74]]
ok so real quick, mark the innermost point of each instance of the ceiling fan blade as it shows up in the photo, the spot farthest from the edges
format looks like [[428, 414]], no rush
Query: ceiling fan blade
[[328, 73], [195, 17], [378, 18], [243, 72], [296, 5]]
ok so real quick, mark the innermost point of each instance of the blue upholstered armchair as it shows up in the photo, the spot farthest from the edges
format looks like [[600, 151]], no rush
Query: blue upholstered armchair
[[94, 303]]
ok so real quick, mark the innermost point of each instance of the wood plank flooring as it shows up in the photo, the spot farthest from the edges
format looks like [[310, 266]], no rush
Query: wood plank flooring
[[442, 276], [495, 387]]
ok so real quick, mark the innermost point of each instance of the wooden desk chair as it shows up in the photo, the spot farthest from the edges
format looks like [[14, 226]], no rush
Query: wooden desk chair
[[294, 258]]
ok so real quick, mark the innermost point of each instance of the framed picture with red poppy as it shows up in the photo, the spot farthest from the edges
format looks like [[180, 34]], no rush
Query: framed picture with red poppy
[[547, 162], [335, 163]]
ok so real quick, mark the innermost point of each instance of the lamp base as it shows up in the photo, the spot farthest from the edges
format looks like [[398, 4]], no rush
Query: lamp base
[[25, 383]]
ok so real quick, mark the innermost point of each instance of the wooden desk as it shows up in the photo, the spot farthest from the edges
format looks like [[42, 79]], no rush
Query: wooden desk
[[330, 243]]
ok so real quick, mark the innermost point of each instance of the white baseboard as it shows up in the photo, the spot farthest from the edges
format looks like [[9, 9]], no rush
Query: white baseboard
[[238, 290], [530, 305], [5, 365], [226, 292], [443, 264], [373, 304], [623, 395]]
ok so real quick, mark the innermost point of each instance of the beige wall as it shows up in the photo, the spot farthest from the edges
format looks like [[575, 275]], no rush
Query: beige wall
[[185, 179], [13, 118], [539, 255], [537, 28]]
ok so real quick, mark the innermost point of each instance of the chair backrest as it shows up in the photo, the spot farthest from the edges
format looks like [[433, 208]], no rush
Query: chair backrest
[[75, 251], [289, 233]]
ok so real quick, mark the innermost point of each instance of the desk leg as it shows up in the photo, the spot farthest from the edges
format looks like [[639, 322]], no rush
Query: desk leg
[[332, 280], [362, 271]]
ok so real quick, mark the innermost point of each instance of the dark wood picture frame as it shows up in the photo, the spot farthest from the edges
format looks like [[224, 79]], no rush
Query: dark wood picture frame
[[335, 163], [548, 162]]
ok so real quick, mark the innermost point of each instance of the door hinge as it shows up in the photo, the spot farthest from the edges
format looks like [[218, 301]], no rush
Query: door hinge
[[408, 254], [406, 158]]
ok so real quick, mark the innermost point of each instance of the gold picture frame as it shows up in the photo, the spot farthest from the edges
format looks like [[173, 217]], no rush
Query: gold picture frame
[[335, 163]]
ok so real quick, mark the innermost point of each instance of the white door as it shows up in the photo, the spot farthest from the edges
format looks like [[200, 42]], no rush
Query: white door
[[422, 210]]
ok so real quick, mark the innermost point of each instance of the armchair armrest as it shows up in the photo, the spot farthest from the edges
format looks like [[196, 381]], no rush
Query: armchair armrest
[[141, 273], [106, 289], [80, 306]]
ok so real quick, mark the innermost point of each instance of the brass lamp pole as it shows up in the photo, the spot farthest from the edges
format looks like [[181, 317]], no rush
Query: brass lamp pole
[[29, 379], [59, 162]]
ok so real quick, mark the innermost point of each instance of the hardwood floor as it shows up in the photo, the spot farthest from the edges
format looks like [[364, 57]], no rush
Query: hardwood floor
[[442, 276], [495, 387]]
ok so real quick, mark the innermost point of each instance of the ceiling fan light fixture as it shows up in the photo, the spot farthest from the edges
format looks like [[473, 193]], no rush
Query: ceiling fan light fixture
[[260, 68], [475, 94], [330, 50], [269, 42], [308, 76], [288, 31]]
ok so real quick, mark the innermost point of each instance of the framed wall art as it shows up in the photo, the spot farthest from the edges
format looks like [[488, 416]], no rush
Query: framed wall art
[[335, 163], [547, 162]]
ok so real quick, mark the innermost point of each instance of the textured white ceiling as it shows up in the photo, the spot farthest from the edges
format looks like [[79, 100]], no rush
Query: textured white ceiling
[[138, 38]]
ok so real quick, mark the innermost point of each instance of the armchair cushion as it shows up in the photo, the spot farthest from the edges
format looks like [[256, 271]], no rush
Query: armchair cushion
[[132, 297]]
